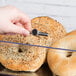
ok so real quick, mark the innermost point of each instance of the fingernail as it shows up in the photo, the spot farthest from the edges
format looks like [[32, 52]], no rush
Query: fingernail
[[25, 32]]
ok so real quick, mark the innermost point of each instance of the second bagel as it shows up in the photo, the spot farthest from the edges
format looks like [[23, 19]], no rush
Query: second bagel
[[63, 63]]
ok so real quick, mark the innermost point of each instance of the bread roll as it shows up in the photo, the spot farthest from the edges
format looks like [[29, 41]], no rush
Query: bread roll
[[29, 58], [63, 63]]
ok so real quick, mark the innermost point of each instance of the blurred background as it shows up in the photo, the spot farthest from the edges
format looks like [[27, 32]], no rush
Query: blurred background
[[64, 11]]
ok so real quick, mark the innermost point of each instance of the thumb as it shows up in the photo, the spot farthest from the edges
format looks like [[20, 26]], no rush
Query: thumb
[[17, 29]]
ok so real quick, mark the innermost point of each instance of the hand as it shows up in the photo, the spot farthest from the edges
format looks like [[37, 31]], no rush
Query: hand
[[12, 20]]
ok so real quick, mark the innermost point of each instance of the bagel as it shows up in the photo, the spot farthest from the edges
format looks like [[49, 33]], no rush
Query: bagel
[[63, 63], [29, 58]]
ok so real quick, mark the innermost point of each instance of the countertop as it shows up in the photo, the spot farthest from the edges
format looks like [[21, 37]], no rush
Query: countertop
[[43, 71]]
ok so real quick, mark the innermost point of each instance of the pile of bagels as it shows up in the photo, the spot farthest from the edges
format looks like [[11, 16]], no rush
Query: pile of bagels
[[18, 57]]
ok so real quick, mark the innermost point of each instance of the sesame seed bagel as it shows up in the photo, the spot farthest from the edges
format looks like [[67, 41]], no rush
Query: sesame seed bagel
[[63, 63], [29, 58]]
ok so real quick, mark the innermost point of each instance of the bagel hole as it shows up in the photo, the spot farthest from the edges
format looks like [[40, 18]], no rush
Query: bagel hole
[[69, 54], [20, 51], [27, 43]]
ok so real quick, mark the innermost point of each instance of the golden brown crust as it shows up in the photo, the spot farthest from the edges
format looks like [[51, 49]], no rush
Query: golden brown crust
[[63, 63], [31, 58]]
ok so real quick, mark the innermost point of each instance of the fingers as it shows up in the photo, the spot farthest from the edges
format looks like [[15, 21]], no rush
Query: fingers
[[17, 15], [25, 20], [17, 29], [10, 20]]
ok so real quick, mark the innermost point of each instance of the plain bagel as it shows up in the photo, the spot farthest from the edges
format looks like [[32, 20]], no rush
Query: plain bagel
[[29, 58], [63, 63]]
